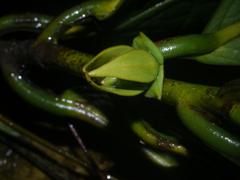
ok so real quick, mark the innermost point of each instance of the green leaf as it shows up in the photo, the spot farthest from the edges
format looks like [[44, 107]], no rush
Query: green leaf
[[226, 14], [164, 17], [229, 53]]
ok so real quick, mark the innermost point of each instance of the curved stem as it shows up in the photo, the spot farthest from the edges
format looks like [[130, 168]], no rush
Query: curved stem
[[31, 22], [101, 9], [162, 159], [156, 139], [201, 124], [191, 45], [16, 22], [80, 109], [175, 92]]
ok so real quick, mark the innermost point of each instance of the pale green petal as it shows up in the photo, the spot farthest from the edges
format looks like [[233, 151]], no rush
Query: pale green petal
[[135, 65]]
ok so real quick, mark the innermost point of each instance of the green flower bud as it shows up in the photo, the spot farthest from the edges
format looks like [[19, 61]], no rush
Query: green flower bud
[[143, 42], [123, 70]]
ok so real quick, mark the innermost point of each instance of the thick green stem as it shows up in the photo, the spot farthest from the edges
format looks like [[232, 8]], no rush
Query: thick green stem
[[198, 107], [201, 123], [188, 45], [191, 45], [175, 91], [11, 67], [68, 59]]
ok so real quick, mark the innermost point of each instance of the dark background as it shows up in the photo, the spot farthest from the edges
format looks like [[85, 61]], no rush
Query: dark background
[[130, 164]]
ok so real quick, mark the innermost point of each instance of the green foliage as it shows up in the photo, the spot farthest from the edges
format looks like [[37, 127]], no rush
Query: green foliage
[[229, 53]]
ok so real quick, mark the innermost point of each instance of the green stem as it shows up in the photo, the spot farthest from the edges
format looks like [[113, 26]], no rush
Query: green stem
[[16, 22], [54, 55], [32, 22], [191, 45], [199, 107], [175, 91], [54, 104], [188, 45], [101, 9], [80, 109], [156, 139], [43, 146], [200, 122], [162, 159]]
